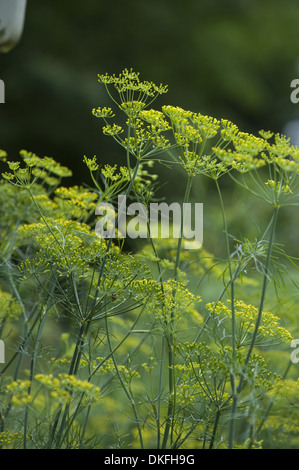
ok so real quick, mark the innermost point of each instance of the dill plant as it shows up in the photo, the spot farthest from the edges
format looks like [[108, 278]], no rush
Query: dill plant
[[116, 348]]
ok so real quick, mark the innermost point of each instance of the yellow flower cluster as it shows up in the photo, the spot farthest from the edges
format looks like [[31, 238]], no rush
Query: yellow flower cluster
[[173, 304], [112, 130], [10, 307], [10, 440], [277, 187], [46, 170], [269, 330], [20, 392], [103, 112], [129, 86], [64, 386], [75, 202], [66, 245]]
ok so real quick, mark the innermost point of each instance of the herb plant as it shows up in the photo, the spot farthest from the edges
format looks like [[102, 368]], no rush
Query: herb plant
[[162, 345]]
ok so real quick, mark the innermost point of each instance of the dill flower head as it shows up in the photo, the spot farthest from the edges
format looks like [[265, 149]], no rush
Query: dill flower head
[[191, 132], [103, 112], [130, 87], [112, 130], [244, 152], [45, 170], [270, 332]]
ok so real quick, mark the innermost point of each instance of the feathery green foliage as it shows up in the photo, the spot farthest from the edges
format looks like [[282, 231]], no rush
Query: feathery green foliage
[[180, 343]]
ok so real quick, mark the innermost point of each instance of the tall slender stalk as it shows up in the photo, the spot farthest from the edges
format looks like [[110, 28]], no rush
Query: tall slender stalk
[[32, 367], [128, 392], [257, 324], [72, 371], [263, 296], [170, 337], [233, 322], [231, 275]]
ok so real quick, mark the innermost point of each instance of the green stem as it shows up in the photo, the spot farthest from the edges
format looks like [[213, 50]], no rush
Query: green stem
[[233, 322], [128, 392], [32, 367], [160, 394], [72, 371], [179, 247], [215, 429], [170, 336], [257, 324], [230, 268], [263, 296]]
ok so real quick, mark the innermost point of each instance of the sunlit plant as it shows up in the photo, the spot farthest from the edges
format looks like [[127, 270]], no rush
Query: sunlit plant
[[118, 348]]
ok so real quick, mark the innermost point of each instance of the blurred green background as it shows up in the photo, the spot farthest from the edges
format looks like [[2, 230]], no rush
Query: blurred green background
[[232, 59]]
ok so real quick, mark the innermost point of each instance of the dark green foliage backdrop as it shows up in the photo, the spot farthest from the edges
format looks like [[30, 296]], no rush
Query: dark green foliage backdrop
[[233, 59]]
